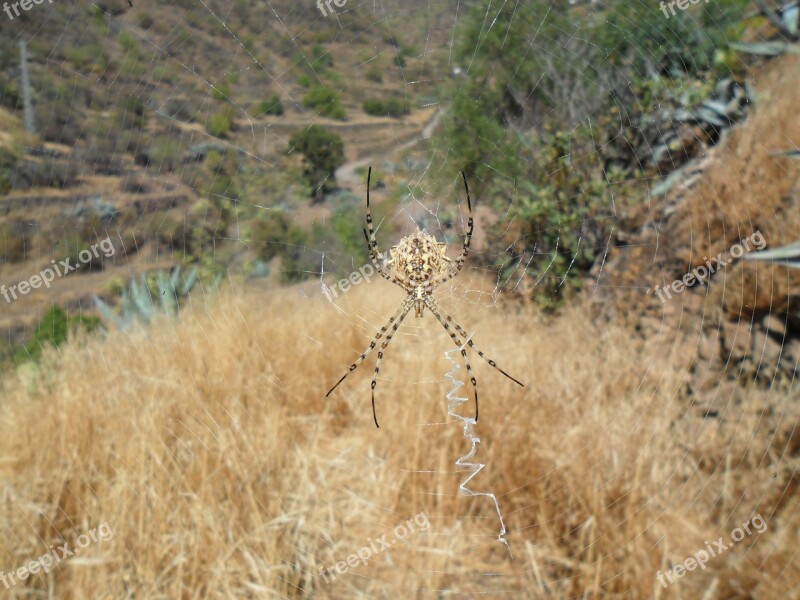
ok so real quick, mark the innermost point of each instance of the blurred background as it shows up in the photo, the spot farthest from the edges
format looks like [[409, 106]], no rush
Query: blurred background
[[174, 387]]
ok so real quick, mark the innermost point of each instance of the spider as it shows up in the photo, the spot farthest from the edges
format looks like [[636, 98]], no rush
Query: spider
[[419, 264]]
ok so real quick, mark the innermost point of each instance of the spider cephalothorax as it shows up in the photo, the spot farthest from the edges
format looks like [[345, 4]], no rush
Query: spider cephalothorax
[[419, 264]]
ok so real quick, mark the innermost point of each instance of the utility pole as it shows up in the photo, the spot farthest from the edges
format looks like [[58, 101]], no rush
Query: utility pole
[[27, 103]]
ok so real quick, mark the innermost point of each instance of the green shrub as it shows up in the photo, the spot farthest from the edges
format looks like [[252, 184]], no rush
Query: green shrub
[[168, 232], [393, 107], [221, 91], [304, 81], [322, 58], [53, 330], [8, 164], [131, 114], [164, 153], [83, 58], [129, 43], [374, 73], [273, 106], [145, 21], [220, 122], [326, 102], [323, 151], [13, 247], [270, 233]]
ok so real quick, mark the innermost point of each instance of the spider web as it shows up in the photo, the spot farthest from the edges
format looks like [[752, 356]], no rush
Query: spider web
[[187, 173]]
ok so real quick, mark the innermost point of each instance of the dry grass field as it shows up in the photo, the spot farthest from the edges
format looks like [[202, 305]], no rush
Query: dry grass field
[[208, 447]]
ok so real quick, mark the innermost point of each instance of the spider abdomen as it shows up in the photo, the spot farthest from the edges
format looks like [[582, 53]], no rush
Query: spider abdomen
[[419, 260]]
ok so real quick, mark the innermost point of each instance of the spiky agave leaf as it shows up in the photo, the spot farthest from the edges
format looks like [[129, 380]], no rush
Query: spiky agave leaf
[[788, 256]]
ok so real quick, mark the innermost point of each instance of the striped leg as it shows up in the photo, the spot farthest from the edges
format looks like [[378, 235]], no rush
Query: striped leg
[[380, 266], [372, 243], [380, 358], [455, 268], [435, 309], [458, 342], [398, 316]]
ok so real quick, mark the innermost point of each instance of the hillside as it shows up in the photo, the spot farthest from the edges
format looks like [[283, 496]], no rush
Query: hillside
[[203, 166]]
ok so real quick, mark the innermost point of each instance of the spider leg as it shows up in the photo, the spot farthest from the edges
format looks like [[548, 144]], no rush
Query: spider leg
[[372, 243], [380, 358], [380, 267], [455, 268], [460, 344], [437, 310], [394, 321]]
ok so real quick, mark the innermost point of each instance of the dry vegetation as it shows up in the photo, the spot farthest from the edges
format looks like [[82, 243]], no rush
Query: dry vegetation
[[209, 448]]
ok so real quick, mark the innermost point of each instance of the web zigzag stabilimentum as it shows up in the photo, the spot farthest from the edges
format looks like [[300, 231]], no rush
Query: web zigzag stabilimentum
[[453, 403]]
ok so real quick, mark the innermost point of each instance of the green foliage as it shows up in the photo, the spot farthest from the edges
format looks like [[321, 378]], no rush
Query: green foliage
[[272, 232], [248, 41], [515, 113], [8, 164], [472, 137], [13, 246], [73, 241], [168, 232], [221, 91], [304, 81], [53, 330], [323, 151], [272, 106], [326, 102], [560, 217], [131, 114], [85, 58], [393, 107], [145, 21], [220, 122], [163, 153], [322, 58], [129, 43], [374, 73], [348, 229]]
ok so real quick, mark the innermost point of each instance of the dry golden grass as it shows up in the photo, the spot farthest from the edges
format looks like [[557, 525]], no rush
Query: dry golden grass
[[210, 450]]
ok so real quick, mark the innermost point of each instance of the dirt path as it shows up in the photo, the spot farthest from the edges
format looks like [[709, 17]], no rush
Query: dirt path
[[346, 174]]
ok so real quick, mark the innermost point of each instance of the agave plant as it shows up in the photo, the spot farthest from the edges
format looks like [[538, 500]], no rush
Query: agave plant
[[788, 256], [138, 302]]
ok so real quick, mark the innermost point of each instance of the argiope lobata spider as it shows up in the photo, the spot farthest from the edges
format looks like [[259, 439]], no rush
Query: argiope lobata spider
[[419, 264]]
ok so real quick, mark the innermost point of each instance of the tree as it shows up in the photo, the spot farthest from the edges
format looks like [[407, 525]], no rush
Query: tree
[[323, 151]]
